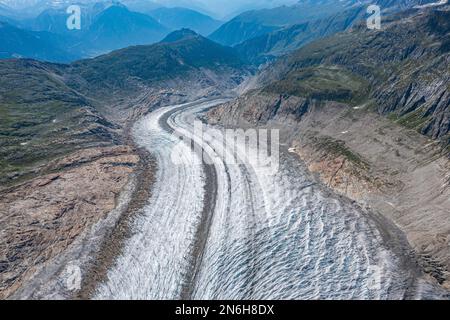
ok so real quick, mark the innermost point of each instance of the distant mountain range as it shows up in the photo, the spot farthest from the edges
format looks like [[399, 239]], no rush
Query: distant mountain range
[[177, 18], [259, 35], [117, 27], [105, 26], [182, 53], [403, 71], [252, 24], [19, 43], [54, 19], [263, 35]]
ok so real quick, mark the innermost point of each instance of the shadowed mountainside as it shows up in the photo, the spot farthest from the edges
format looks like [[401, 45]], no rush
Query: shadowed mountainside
[[16, 43], [117, 27]]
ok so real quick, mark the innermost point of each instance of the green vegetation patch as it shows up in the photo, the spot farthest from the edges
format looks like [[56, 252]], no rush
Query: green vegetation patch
[[413, 120], [323, 83], [338, 148], [40, 118]]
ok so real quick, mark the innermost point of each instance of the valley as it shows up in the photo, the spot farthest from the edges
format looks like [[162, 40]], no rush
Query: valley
[[184, 241]]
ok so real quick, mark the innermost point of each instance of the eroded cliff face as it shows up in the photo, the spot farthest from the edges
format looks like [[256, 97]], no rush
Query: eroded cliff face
[[420, 102], [385, 167], [259, 107]]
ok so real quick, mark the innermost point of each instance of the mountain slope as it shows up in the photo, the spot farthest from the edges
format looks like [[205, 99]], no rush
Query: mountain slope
[[117, 27], [405, 69], [54, 19], [401, 4], [6, 14], [267, 47], [177, 18], [15, 42], [181, 54], [369, 113], [47, 110], [256, 23], [51, 20]]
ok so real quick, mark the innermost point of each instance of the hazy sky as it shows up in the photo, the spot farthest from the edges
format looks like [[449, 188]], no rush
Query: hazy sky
[[226, 7], [223, 8], [220, 8]]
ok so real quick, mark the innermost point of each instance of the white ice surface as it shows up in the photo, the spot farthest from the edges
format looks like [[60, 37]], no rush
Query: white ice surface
[[273, 235]]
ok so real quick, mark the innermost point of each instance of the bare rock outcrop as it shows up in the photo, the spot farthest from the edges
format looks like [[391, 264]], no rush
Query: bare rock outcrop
[[43, 216]]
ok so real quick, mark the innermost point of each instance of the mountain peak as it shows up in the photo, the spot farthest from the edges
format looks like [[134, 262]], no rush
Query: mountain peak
[[116, 7], [178, 35]]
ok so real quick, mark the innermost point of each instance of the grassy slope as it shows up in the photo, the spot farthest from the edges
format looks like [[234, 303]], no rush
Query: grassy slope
[[323, 83], [157, 62], [40, 117]]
